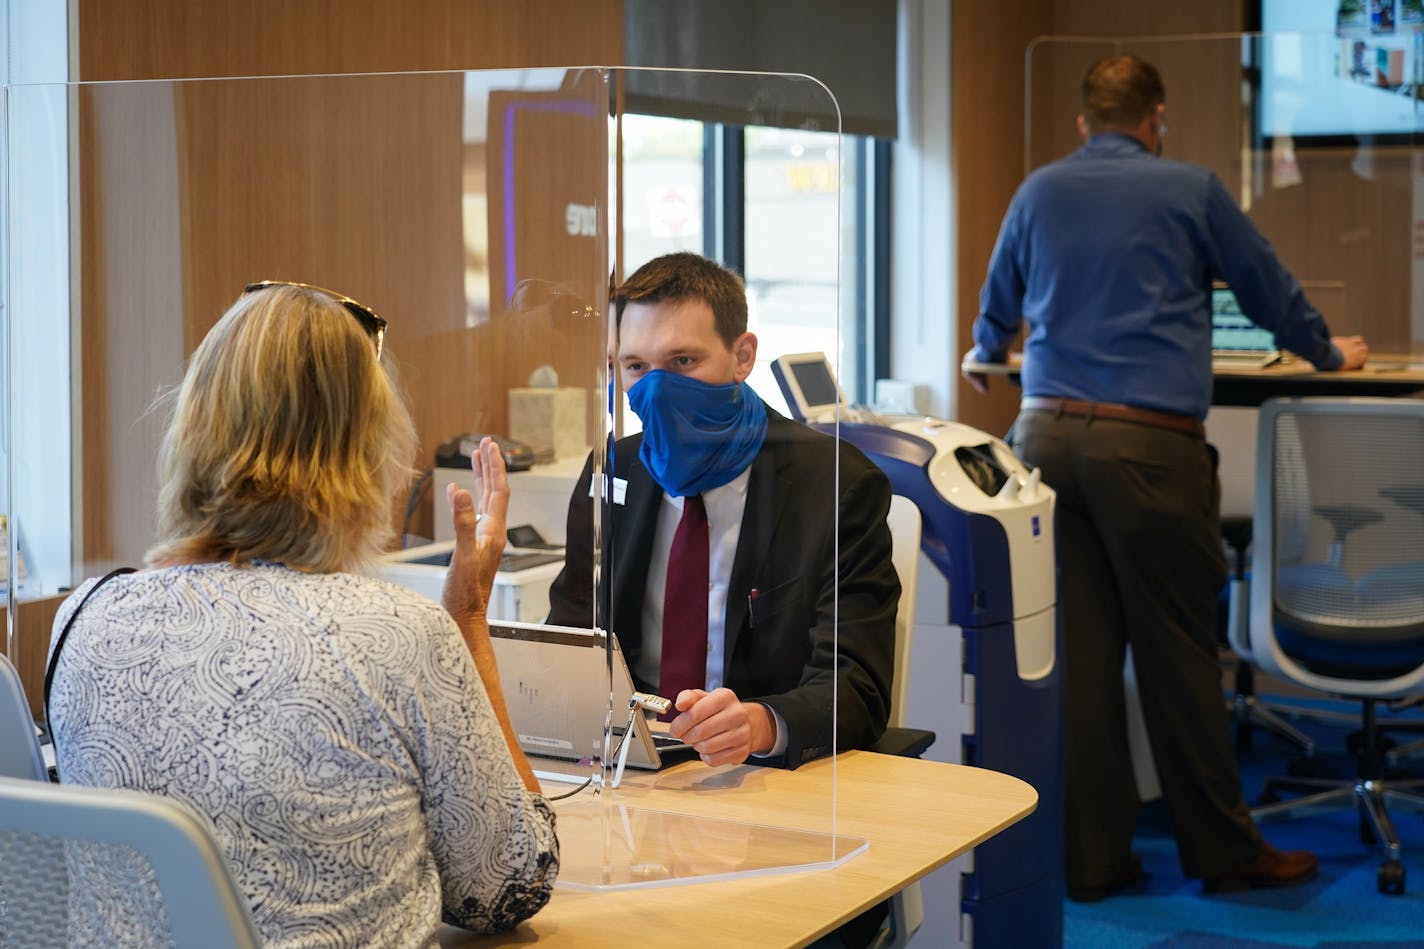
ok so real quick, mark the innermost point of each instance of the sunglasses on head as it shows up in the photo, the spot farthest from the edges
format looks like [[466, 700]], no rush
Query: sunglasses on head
[[373, 324]]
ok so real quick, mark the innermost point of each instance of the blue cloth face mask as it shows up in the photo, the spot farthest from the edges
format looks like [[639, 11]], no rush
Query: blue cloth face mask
[[696, 435]]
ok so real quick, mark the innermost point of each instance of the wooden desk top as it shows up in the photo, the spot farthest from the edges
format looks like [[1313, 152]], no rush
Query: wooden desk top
[[1384, 374], [917, 816]]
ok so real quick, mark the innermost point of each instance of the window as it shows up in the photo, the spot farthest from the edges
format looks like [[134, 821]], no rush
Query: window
[[662, 187], [34, 472], [769, 203]]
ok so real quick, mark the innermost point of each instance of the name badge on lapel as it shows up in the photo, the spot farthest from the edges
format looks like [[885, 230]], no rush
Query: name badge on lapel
[[620, 490]]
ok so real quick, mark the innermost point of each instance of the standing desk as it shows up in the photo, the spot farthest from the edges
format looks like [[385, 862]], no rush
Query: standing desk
[[917, 815], [1385, 374]]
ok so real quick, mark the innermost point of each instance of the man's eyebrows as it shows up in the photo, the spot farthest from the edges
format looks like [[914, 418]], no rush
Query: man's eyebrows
[[671, 353]]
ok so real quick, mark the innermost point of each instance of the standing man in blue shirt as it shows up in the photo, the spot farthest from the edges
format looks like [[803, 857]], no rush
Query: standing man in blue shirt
[[1109, 255]]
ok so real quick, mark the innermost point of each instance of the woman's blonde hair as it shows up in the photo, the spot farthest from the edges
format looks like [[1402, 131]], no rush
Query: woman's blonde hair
[[287, 443]]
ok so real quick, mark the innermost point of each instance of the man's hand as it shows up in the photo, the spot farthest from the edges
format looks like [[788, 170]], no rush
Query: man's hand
[[1354, 350], [978, 380], [479, 520], [721, 728]]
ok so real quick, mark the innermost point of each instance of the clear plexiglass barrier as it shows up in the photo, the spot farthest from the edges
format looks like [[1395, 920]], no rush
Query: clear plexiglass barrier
[[1316, 131], [479, 213]]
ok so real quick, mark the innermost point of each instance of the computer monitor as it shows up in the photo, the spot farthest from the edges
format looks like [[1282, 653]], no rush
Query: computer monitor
[[809, 386], [1334, 73], [1232, 330]]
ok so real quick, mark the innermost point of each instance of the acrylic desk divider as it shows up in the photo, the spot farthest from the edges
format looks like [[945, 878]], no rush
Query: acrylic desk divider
[[1315, 130], [472, 210]]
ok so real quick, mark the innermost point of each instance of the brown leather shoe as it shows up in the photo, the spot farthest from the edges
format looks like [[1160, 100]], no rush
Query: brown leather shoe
[[1271, 867]]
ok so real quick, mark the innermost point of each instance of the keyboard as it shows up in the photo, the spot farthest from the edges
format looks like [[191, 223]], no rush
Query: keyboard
[[1226, 359]]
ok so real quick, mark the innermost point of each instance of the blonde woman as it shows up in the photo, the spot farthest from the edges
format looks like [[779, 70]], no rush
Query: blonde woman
[[346, 738]]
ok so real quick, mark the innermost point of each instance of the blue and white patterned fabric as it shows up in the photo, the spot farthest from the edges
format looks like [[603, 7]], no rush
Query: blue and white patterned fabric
[[331, 727]]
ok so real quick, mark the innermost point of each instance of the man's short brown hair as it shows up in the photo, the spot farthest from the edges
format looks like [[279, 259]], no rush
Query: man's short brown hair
[[1120, 91], [689, 276]]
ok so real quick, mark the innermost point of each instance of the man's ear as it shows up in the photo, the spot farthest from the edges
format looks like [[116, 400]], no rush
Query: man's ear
[[1082, 125], [744, 349]]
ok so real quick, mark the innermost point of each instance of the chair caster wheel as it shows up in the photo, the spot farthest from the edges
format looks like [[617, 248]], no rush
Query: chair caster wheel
[[1301, 767], [1391, 878]]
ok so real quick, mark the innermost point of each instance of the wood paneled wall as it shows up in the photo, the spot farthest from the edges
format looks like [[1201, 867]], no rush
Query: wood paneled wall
[[988, 146], [1347, 220], [183, 39], [188, 192]]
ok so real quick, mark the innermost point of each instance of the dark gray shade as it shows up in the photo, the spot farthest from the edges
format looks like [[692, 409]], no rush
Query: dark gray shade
[[849, 45]]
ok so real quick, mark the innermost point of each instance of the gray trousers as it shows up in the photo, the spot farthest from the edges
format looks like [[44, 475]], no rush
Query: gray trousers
[[1138, 535]]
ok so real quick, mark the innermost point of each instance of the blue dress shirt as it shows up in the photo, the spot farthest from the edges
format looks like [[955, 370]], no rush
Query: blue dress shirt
[[1109, 254]]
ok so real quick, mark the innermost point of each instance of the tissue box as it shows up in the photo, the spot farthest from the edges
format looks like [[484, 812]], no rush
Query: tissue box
[[553, 422]]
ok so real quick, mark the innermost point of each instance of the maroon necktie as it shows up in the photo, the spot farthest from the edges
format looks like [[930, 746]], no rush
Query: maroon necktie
[[684, 663]]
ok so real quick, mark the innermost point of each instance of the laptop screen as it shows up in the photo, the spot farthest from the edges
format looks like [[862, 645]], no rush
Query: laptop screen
[[556, 683], [1231, 331]]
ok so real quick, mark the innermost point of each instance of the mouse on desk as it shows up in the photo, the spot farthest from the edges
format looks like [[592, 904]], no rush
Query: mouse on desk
[[456, 452]]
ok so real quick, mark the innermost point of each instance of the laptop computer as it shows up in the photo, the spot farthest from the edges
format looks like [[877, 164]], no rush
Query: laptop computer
[[557, 691], [1236, 342]]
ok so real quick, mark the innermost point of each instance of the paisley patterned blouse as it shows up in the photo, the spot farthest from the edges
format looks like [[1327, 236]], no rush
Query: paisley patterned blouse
[[333, 730]]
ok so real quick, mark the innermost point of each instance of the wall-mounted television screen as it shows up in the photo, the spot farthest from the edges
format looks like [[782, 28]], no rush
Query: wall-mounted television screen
[[1340, 70]]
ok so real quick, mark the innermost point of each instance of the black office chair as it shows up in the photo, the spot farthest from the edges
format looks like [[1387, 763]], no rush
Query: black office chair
[[1337, 602]]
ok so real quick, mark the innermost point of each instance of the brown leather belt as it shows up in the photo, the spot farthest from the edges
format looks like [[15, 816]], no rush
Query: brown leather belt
[[1118, 413]]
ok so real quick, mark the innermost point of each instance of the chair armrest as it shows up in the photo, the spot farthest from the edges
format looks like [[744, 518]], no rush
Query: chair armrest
[[904, 742]]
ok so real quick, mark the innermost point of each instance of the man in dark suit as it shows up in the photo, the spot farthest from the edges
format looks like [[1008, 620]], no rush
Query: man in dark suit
[[763, 491]]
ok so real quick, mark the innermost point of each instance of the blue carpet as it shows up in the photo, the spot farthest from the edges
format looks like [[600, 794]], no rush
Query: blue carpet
[[1341, 908]]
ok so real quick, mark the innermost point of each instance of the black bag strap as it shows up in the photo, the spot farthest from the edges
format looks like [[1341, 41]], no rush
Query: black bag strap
[[64, 634]]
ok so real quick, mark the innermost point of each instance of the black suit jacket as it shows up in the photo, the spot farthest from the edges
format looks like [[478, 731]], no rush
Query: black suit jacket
[[780, 646]]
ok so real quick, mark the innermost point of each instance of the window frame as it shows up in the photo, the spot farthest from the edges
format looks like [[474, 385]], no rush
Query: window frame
[[724, 240]]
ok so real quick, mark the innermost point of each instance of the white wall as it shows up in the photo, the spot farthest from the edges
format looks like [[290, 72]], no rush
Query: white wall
[[922, 289]]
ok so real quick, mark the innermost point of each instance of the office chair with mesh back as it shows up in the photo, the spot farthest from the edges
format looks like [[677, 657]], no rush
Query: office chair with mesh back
[[1337, 598], [19, 758], [19, 749], [1248, 712], [113, 868]]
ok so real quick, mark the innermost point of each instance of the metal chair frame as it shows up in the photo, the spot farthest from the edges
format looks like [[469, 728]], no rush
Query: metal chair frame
[[202, 903]]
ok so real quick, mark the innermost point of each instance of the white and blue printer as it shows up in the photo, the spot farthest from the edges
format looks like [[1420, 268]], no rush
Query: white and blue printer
[[988, 529]]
